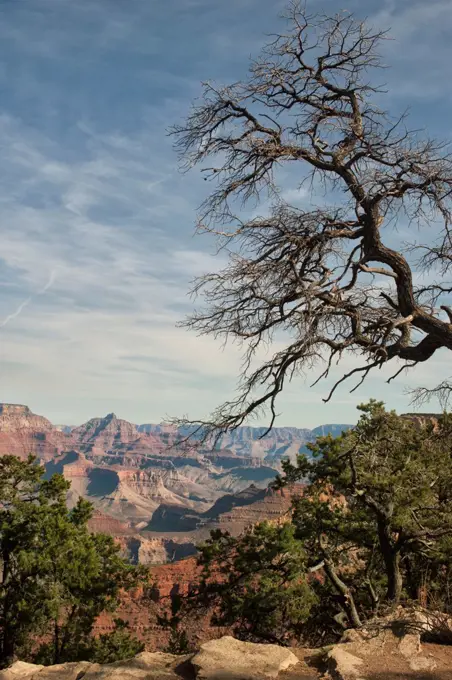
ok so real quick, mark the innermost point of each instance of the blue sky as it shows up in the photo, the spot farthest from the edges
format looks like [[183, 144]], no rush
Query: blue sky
[[97, 247]]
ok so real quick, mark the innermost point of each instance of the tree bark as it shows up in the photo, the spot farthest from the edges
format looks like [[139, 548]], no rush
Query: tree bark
[[391, 556], [345, 592], [56, 650], [374, 597], [7, 645], [8, 650]]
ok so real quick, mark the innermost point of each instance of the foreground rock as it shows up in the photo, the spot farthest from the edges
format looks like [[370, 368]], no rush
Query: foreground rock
[[145, 666], [217, 660], [343, 664], [390, 647], [235, 660], [20, 670]]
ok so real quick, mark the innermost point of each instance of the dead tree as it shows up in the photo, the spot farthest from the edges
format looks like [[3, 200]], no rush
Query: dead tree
[[328, 278]]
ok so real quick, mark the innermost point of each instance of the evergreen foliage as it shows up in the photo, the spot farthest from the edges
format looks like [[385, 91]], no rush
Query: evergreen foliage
[[372, 529], [119, 644], [379, 505], [56, 576], [256, 583], [178, 642]]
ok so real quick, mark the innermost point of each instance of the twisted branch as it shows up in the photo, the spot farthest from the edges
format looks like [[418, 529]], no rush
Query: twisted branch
[[324, 278]]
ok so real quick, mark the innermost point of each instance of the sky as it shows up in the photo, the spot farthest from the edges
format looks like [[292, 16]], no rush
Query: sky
[[97, 245]]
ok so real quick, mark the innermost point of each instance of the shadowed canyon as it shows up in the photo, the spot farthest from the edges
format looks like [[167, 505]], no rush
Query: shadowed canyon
[[160, 497]]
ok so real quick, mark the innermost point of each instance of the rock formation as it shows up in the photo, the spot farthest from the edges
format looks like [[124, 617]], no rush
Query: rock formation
[[156, 550], [217, 660], [231, 512], [422, 419], [22, 432], [384, 652], [150, 492], [106, 434], [249, 660], [256, 442], [104, 524]]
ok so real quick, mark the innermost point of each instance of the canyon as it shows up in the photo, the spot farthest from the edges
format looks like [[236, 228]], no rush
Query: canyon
[[159, 495]]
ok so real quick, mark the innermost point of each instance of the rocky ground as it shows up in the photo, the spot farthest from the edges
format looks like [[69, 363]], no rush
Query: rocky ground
[[223, 659], [388, 651], [391, 649]]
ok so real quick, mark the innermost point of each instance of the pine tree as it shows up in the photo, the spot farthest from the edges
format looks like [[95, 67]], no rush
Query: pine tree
[[27, 502], [379, 496], [256, 583], [372, 529], [56, 576]]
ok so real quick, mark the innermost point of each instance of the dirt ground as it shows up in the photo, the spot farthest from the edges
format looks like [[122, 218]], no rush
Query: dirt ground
[[395, 667], [305, 670], [389, 665]]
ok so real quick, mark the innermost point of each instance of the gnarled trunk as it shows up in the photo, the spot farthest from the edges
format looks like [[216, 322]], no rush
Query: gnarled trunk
[[391, 556], [344, 591], [8, 649]]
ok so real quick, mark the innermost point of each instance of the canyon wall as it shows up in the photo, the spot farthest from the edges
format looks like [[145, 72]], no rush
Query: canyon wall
[[158, 497]]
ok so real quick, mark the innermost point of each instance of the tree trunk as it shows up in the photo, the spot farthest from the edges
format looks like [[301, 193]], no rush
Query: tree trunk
[[56, 643], [345, 592], [373, 596], [391, 556], [7, 650], [8, 646], [422, 596], [411, 580], [395, 581]]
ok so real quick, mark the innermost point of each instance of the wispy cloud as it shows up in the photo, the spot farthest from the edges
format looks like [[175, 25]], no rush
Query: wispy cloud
[[26, 302], [97, 252], [15, 314]]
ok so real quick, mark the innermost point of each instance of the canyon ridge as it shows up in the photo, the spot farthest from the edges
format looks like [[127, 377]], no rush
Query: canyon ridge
[[157, 495]]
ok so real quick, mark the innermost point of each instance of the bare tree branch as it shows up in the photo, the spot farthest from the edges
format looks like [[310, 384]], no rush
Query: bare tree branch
[[441, 392], [324, 278]]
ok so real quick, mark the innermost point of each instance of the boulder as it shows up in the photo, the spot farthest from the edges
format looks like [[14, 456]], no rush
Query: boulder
[[344, 665], [422, 663], [410, 645], [144, 666], [20, 671], [63, 671], [231, 659]]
